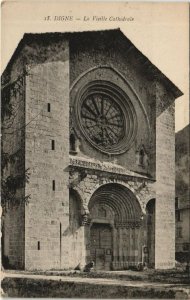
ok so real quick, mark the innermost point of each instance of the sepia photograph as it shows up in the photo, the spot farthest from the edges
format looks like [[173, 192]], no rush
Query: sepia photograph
[[95, 194]]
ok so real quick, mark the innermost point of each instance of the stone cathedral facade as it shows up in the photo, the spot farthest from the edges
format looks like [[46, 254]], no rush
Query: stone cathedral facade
[[95, 125]]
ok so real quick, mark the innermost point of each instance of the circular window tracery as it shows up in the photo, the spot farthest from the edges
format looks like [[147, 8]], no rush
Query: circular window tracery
[[102, 119], [106, 117]]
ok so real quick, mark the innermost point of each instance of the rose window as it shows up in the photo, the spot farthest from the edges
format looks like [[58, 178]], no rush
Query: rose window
[[106, 116], [103, 120]]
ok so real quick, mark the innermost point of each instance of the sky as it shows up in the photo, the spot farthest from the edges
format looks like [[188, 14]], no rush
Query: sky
[[159, 30]]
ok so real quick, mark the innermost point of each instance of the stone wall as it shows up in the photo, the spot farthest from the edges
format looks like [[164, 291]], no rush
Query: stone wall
[[47, 214], [165, 181], [27, 55], [14, 237]]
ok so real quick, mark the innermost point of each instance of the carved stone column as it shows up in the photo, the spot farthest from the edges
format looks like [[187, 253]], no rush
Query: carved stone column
[[114, 262], [120, 248]]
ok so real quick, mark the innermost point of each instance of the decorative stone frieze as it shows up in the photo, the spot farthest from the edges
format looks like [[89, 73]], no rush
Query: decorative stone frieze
[[98, 174], [128, 224]]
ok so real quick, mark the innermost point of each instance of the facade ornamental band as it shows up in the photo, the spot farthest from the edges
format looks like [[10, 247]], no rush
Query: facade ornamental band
[[95, 123]]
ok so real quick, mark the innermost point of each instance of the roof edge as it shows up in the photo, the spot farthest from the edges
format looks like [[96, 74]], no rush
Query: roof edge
[[157, 73]]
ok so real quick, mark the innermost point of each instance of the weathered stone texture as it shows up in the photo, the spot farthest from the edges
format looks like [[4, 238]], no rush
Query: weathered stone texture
[[47, 214], [15, 236], [165, 182], [140, 187]]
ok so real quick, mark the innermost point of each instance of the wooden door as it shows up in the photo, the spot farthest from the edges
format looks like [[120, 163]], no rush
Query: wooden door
[[101, 246]]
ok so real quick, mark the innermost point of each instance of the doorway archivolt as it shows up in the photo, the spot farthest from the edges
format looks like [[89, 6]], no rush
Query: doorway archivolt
[[115, 228]]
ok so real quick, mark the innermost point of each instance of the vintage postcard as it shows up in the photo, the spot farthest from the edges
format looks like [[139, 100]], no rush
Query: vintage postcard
[[95, 150]]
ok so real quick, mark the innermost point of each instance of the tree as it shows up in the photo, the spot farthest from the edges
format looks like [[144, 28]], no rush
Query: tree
[[10, 183], [14, 176]]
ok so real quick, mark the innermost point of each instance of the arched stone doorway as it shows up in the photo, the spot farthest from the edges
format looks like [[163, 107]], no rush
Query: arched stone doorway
[[116, 229]]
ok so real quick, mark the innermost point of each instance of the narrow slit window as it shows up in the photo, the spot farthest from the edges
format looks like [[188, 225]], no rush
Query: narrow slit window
[[38, 245], [53, 185], [53, 144], [141, 157], [72, 142], [49, 107]]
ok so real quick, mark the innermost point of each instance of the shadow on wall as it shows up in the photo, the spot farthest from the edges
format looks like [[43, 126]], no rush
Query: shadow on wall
[[150, 213], [75, 231]]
